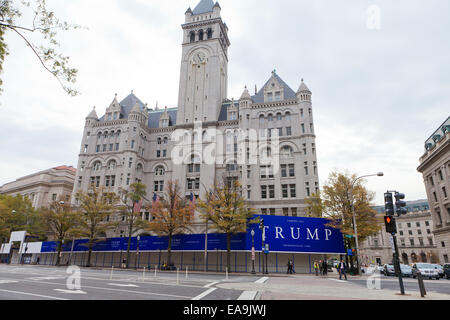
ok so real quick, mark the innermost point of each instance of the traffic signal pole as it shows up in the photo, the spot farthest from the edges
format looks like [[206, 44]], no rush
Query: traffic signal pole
[[397, 265]]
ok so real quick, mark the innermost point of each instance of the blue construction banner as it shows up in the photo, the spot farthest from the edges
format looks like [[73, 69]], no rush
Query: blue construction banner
[[297, 234], [282, 234]]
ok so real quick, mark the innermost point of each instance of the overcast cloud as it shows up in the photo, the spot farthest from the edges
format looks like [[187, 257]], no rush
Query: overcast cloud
[[377, 94]]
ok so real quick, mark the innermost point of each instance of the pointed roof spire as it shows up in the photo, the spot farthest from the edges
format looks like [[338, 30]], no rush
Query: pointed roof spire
[[245, 94], [92, 114], [303, 88], [204, 6]]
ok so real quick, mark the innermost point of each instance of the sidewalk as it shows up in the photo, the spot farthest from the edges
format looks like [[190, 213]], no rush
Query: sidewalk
[[309, 287]]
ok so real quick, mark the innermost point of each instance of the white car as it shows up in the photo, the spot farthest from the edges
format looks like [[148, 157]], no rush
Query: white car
[[427, 270]]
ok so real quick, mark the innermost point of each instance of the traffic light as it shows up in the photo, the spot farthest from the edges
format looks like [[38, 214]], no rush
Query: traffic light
[[400, 204], [388, 204], [389, 222]]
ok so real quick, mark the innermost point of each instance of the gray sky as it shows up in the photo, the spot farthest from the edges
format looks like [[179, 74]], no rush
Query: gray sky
[[378, 94]]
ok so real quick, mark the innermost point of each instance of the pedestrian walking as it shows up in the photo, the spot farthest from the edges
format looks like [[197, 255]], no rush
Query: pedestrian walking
[[289, 270], [325, 267], [292, 267], [342, 267], [321, 267], [316, 268]]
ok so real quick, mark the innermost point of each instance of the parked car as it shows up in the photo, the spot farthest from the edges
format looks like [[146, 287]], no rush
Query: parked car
[[426, 269], [380, 269], [407, 271], [447, 270], [440, 270], [389, 270]]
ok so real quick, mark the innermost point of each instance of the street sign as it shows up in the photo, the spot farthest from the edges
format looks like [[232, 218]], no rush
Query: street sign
[[391, 240], [349, 236], [349, 252]]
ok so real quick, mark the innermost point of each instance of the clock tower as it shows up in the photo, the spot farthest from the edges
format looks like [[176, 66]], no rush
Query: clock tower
[[204, 64]]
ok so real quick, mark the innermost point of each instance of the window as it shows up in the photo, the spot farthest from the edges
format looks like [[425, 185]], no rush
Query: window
[[283, 170], [266, 172], [209, 33], [418, 224], [193, 184], [428, 231], [285, 211], [158, 186], [159, 171], [263, 192], [272, 211], [192, 37], [303, 127], [421, 242], [444, 192], [158, 153], [130, 162], [435, 197], [112, 165], [264, 211], [286, 152], [440, 175], [431, 181], [269, 97], [288, 131], [439, 217], [280, 132], [284, 190], [294, 212], [271, 191], [409, 225], [111, 145], [427, 223], [249, 191], [410, 232], [411, 241], [277, 96], [200, 35], [97, 148], [293, 192], [401, 232], [132, 144], [85, 148], [117, 147], [419, 231], [54, 196], [443, 244]]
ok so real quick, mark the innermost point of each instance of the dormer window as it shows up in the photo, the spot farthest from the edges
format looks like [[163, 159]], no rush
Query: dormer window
[[115, 116], [164, 123], [277, 96], [269, 97]]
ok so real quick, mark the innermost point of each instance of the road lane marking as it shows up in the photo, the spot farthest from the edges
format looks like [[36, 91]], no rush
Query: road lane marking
[[123, 285], [248, 295], [46, 278], [70, 291], [210, 284], [8, 281], [204, 294], [33, 294], [262, 280], [112, 289]]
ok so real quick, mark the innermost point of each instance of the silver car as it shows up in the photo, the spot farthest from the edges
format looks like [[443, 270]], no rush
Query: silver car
[[427, 270], [407, 271], [440, 269]]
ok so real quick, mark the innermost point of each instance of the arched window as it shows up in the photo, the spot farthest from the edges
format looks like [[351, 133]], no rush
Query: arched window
[[192, 36], [270, 117], [118, 133], [112, 133], [97, 166], [209, 33], [159, 171], [287, 117], [279, 117], [286, 152], [105, 134], [261, 121], [200, 35], [165, 140], [99, 134], [159, 140], [112, 165], [139, 168]]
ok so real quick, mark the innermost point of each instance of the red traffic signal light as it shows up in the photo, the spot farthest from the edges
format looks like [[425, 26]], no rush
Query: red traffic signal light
[[389, 222]]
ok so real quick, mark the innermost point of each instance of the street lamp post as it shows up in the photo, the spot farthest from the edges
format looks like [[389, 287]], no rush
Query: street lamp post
[[253, 251], [355, 228], [137, 252]]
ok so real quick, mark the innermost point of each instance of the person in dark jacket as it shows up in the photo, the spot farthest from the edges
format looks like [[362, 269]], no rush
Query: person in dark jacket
[[325, 267], [289, 267], [342, 268]]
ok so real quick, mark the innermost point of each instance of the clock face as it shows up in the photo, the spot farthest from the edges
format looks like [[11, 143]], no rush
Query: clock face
[[199, 57]]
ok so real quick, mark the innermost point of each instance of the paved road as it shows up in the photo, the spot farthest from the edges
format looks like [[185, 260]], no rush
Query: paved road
[[50, 283], [440, 286]]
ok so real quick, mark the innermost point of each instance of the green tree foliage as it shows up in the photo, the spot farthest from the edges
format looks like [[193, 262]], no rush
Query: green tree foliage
[[227, 210], [44, 27], [62, 223], [95, 206], [17, 214], [131, 200], [337, 205], [315, 206], [172, 214]]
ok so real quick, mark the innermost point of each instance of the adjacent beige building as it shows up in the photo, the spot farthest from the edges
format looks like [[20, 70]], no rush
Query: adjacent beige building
[[435, 167], [415, 238], [43, 187]]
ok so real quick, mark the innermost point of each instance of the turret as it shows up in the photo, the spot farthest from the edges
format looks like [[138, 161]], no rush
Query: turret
[[303, 93], [91, 118], [245, 100]]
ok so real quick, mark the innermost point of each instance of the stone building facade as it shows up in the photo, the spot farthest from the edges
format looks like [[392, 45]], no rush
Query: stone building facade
[[415, 238], [43, 187], [435, 168], [132, 142]]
